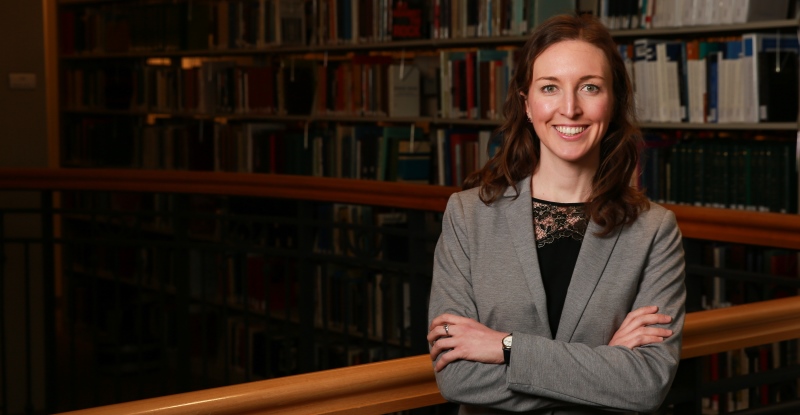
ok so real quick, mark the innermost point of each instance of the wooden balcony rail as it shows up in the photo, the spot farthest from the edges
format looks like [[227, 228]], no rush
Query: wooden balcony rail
[[724, 225], [408, 383]]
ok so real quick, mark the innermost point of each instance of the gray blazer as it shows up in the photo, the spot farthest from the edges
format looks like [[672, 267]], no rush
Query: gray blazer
[[485, 268]]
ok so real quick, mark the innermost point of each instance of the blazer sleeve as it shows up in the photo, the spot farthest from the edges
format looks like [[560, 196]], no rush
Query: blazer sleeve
[[466, 382], [616, 377]]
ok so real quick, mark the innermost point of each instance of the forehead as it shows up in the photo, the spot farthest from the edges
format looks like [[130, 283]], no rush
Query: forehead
[[572, 56]]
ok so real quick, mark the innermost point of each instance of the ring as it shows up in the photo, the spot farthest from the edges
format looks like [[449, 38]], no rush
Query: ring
[[447, 329]]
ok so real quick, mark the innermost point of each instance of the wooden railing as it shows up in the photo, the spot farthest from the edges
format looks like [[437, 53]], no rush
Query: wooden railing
[[408, 383], [724, 225]]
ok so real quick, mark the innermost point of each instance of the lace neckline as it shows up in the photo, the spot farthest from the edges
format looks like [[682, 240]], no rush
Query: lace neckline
[[553, 221]]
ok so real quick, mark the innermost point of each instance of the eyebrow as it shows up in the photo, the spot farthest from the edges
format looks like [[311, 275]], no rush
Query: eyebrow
[[583, 78]]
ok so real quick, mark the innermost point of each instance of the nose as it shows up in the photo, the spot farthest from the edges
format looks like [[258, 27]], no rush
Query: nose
[[570, 105]]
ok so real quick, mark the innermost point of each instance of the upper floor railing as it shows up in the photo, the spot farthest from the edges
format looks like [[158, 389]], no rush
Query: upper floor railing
[[726, 225]]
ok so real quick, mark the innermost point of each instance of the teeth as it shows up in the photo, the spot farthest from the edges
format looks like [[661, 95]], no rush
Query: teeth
[[570, 130]]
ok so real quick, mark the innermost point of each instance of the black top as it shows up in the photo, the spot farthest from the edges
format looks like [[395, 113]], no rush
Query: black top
[[559, 230]]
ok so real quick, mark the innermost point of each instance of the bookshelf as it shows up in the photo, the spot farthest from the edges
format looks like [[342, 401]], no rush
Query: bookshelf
[[136, 87], [125, 103]]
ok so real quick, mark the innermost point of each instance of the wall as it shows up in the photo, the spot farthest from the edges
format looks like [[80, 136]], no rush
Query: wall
[[23, 143], [23, 118]]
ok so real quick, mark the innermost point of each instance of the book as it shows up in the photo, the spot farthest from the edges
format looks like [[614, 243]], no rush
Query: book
[[389, 148], [460, 144], [290, 22], [760, 10], [773, 59], [414, 161], [367, 138], [408, 20], [404, 91], [297, 86], [493, 69], [695, 82]]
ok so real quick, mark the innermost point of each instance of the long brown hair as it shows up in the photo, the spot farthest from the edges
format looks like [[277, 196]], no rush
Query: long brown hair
[[613, 201]]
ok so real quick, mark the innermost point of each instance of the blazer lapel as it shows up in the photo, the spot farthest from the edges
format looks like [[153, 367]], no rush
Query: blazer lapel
[[519, 214], [591, 264]]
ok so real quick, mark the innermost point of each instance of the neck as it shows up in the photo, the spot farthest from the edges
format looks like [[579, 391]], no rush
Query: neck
[[560, 185]]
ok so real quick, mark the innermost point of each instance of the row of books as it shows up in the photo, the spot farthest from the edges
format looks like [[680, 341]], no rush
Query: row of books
[[470, 84], [242, 24], [443, 156], [210, 87], [346, 300], [391, 153], [752, 78], [732, 173], [651, 14], [719, 290], [751, 361], [360, 151], [181, 25]]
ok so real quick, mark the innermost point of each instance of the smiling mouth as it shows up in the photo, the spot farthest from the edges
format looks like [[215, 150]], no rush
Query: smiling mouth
[[570, 130]]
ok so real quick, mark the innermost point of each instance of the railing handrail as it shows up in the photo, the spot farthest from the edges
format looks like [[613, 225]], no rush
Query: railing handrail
[[725, 225], [408, 383]]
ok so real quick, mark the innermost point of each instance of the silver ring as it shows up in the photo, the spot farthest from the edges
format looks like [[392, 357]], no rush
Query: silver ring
[[447, 329]]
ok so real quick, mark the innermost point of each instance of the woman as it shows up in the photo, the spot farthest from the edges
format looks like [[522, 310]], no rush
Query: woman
[[557, 287]]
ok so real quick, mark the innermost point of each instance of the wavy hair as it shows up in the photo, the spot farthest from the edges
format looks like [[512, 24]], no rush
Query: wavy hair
[[613, 200]]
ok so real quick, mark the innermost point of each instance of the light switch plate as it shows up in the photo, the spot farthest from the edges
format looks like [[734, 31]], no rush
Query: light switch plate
[[22, 80]]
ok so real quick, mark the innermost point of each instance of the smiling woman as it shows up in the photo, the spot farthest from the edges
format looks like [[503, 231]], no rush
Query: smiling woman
[[558, 288]]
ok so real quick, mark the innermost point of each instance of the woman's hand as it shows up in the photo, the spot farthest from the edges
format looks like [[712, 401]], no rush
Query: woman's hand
[[635, 330], [464, 339]]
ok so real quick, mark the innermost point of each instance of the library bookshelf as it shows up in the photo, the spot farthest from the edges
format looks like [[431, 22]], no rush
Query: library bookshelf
[[211, 97]]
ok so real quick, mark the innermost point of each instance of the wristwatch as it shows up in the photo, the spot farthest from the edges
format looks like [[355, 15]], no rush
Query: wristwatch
[[507, 348]]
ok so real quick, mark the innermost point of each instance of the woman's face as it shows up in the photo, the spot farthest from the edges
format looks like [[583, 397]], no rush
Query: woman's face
[[570, 102]]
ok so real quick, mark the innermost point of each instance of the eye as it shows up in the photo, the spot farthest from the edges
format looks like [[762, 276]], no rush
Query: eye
[[549, 89], [591, 88]]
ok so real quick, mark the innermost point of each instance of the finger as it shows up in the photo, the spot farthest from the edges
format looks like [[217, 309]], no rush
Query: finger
[[645, 320], [435, 333], [442, 344], [447, 357], [630, 318], [655, 331], [643, 337], [650, 309], [651, 319], [441, 320], [440, 348]]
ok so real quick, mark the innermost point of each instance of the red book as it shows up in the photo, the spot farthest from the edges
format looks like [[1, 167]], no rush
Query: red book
[[763, 366], [260, 89], [458, 158]]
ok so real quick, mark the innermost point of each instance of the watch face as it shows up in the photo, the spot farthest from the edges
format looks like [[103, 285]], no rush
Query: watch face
[[507, 341]]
